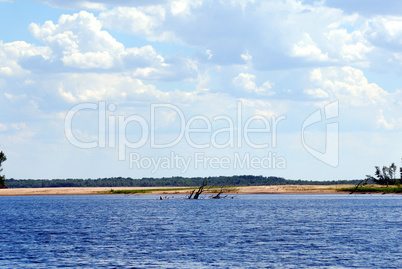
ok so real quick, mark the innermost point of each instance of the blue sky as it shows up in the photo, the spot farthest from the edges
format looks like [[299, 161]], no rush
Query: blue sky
[[298, 89]]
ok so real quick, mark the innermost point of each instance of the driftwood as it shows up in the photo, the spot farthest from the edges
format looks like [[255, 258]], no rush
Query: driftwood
[[191, 194], [196, 194], [200, 189], [218, 196], [364, 181]]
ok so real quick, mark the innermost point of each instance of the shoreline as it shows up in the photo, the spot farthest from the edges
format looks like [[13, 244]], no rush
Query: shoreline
[[276, 189]]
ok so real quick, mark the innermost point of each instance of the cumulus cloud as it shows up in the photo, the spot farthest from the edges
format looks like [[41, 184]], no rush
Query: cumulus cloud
[[12, 97], [382, 121], [308, 49], [289, 34], [386, 32], [349, 47], [247, 82], [347, 84], [183, 7], [95, 87], [12, 53], [78, 43], [317, 93], [276, 34], [121, 88], [142, 21]]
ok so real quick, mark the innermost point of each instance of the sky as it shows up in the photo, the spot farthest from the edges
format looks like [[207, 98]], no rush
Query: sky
[[298, 89]]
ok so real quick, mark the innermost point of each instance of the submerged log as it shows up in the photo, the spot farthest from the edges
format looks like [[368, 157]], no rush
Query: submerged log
[[357, 186], [200, 190], [191, 194], [218, 196]]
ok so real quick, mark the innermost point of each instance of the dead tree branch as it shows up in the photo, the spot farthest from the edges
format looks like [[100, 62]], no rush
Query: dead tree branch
[[364, 181], [218, 196], [191, 194], [200, 189]]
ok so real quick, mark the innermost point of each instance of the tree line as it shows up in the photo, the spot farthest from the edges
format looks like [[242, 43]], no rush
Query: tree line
[[237, 180]]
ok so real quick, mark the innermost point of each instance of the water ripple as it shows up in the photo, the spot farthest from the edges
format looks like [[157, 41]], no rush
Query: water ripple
[[250, 231]]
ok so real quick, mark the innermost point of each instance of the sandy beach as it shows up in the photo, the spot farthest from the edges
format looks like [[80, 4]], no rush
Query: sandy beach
[[280, 189]]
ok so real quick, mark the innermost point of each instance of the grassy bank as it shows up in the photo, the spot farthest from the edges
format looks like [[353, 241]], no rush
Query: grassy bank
[[374, 189]]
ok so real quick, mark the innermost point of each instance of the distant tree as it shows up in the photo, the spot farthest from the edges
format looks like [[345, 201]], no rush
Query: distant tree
[[384, 176], [3, 158], [400, 171], [392, 171]]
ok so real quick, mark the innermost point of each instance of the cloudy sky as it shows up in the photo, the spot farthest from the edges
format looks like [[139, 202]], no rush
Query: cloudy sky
[[298, 89]]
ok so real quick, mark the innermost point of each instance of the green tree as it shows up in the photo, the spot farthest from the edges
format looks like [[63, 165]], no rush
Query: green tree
[[384, 176], [3, 158], [392, 171]]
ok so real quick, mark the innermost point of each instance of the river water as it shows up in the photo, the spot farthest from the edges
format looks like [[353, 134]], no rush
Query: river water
[[248, 231]]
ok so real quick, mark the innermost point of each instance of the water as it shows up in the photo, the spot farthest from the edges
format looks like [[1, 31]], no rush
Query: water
[[249, 231]]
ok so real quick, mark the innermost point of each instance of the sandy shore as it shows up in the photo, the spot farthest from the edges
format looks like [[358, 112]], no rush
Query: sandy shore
[[281, 189]]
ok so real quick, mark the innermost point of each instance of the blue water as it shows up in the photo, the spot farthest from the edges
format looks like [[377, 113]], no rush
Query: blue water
[[249, 231]]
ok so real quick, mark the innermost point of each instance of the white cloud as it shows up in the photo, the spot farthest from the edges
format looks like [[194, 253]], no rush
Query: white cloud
[[209, 54], [88, 60], [177, 69], [12, 53], [78, 39], [95, 87], [346, 84], [183, 7], [275, 34], [14, 97], [118, 88], [308, 49], [317, 93], [366, 104], [142, 57], [143, 21], [289, 33], [77, 43], [246, 81], [386, 32], [6, 70], [3, 127], [22, 133], [247, 57], [382, 122], [349, 47]]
